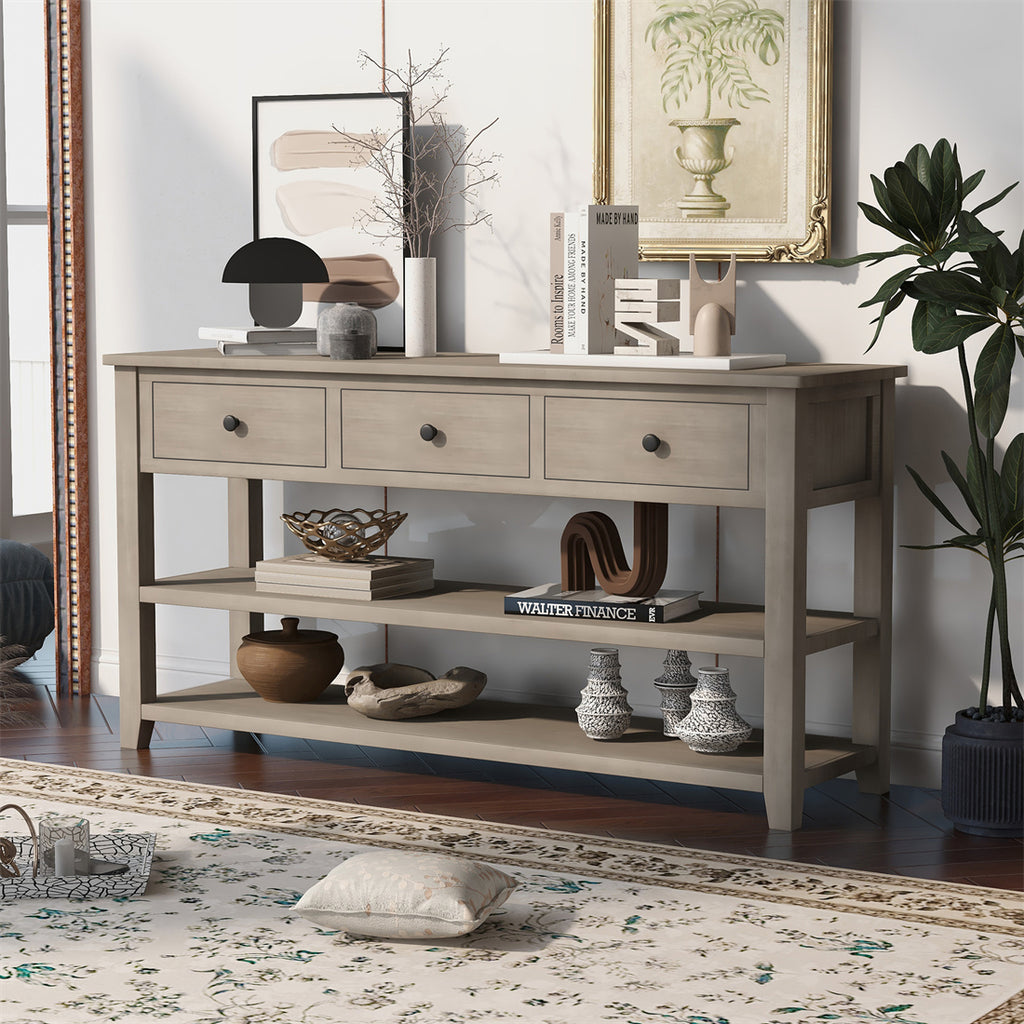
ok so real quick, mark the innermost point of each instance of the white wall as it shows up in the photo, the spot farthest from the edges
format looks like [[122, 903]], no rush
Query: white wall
[[168, 107]]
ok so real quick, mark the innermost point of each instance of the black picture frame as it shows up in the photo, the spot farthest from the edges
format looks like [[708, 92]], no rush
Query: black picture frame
[[311, 183]]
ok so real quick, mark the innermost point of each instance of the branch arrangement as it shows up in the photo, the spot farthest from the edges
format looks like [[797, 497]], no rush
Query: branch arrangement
[[432, 177]]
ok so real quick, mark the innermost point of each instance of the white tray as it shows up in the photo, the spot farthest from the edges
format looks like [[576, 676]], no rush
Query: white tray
[[134, 850]]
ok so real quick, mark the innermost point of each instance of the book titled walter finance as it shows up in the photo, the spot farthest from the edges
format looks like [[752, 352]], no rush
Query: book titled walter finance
[[551, 600]]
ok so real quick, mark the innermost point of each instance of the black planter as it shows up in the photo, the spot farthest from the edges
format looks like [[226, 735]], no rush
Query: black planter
[[983, 776]]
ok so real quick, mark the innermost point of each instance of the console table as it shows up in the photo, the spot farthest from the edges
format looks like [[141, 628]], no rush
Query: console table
[[785, 439]]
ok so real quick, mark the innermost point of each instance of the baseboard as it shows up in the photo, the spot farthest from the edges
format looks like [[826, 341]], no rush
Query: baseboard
[[915, 756]]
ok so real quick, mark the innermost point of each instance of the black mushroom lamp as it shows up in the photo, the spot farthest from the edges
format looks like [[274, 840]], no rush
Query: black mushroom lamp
[[275, 269]]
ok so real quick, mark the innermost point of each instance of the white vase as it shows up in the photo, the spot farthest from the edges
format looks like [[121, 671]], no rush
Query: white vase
[[603, 713], [421, 306], [713, 725]]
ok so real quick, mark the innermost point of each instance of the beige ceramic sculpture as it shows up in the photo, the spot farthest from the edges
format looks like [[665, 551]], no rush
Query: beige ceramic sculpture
[[392, 691]]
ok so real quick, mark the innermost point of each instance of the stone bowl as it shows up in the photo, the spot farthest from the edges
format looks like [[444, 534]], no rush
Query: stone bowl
[[290, 665], [393, 691]]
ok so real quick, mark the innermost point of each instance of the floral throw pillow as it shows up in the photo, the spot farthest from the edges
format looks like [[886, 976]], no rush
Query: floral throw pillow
[[396, 894]]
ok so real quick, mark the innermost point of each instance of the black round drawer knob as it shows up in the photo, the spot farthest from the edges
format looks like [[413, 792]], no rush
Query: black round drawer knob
[[231, 422], [428, 432], [651, 442]]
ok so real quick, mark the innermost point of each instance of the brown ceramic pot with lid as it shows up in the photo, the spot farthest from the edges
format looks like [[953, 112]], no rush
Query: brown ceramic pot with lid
[[290, 665]]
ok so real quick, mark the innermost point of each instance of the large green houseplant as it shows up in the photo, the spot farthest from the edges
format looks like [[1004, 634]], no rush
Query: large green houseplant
[[964, 281]]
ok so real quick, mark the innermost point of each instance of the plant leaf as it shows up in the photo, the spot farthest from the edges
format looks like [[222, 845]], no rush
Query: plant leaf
[[995, 199], [936, 328], [961, 485], [890, 287], [945, 176], [1011, 477], [951, 288], [935, 500], [971, 183], [992, 380], [877, 217], [887, 307], [913, 207], [974, 471]]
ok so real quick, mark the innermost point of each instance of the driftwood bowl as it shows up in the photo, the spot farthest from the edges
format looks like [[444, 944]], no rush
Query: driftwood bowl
[[344, 534], [290, 665]]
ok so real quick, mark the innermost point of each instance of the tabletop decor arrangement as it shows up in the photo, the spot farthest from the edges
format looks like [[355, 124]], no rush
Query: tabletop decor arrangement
[[964, 280]]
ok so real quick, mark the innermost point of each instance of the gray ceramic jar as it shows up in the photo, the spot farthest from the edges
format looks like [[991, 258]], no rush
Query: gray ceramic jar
[[346, 330]]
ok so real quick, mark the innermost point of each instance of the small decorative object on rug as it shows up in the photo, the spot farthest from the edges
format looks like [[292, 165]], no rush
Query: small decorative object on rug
[[713, 725], [675, 685], [590, 545], [64, 844], [603, 713], [712, 311], [392, 691], [344, 534], [290, 665], [395, 894], [346, 330]]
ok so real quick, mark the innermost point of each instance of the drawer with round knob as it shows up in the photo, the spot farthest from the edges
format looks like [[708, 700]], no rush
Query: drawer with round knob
[[667, 443], [257, 424], [436, 432]]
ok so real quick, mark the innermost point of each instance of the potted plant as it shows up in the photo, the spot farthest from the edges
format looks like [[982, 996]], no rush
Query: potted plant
[[964, 280], [705, 45]]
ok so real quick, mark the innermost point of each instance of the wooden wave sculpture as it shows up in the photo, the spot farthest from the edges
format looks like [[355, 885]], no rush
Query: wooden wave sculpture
[[591, 547]]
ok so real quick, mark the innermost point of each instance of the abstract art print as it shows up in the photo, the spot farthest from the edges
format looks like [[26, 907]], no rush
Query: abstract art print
[[713, 117], [317, 178]]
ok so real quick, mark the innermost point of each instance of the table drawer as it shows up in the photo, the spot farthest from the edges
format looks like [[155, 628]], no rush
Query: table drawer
[[702, 444], [278, 425], [477, 434]]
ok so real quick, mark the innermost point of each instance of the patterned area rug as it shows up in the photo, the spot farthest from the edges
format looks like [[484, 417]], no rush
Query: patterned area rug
[[598, 930]]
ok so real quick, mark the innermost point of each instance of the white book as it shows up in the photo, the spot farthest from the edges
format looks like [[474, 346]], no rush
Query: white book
[[345, 594], [609, 248], [373, 567], [557, 283], [262, 335], [274, 348], [571, 235]]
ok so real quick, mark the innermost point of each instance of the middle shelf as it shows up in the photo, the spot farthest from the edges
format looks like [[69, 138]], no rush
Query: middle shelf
[[721, 628]]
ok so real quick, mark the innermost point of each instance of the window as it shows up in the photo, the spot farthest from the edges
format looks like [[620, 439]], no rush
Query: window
[[26, 461]]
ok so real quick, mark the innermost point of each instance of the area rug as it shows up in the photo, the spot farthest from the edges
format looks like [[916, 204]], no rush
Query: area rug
[[597, 930]]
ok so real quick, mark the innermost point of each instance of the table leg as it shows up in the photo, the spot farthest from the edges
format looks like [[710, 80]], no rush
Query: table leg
[[785, 622], [872, 598], [245, 548]]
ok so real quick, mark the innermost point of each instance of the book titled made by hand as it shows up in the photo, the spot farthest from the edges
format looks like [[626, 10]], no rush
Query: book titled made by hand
[[551, 600]]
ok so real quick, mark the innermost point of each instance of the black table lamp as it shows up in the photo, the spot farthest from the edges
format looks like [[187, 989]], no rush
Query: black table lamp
[[275, 269]]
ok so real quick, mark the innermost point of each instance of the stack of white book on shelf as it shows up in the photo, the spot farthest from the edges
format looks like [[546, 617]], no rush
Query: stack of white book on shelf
[[361, 579], [261, 341]]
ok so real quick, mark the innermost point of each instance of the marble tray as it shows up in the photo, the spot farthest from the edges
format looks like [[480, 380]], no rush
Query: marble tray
[[136, 851]]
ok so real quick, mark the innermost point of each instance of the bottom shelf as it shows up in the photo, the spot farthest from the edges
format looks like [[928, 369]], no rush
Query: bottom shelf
[[527, 734]]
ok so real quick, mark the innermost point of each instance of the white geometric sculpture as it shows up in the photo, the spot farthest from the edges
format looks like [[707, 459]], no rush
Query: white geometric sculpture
[[641, 304]]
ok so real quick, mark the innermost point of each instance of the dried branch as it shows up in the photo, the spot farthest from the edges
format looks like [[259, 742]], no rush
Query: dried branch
[[446, 171]]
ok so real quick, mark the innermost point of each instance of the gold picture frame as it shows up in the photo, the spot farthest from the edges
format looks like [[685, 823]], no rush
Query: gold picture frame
[[777, 212]]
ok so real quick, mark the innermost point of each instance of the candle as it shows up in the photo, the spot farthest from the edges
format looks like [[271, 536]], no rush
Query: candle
[[64, 857]]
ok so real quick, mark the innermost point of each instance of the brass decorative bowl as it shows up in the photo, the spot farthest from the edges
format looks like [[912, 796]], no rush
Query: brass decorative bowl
[[344, 534]]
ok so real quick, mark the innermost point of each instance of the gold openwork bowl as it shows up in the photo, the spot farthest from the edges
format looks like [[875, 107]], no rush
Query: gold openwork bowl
[[344, 534]]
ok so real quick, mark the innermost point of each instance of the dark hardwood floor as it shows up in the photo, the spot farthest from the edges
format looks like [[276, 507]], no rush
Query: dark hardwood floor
[[904, 833]]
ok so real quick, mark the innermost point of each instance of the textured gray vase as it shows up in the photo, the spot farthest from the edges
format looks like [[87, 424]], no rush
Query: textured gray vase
[[713, 726], [351, 327], [675, 685], [603, 713]]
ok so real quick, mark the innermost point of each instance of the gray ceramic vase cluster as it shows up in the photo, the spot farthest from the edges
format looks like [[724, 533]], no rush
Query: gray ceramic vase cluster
[[713, 726], [675, 685], [603, 712]]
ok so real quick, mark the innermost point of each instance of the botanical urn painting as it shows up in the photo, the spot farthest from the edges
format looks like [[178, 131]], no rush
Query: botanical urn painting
[[713, 119], [706, 49]]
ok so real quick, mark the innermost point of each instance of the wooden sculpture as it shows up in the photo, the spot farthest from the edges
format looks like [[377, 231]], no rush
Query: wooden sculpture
[[591, 547]]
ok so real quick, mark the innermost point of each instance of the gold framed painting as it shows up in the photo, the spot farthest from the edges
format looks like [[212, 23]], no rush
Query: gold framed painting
[[713, 116]]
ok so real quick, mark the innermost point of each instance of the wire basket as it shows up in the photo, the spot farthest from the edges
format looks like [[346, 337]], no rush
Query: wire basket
[[344, 534]]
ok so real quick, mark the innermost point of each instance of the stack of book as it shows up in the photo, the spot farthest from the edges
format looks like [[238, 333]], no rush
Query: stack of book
[[591, 248], [261, 341], [362, 579]]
